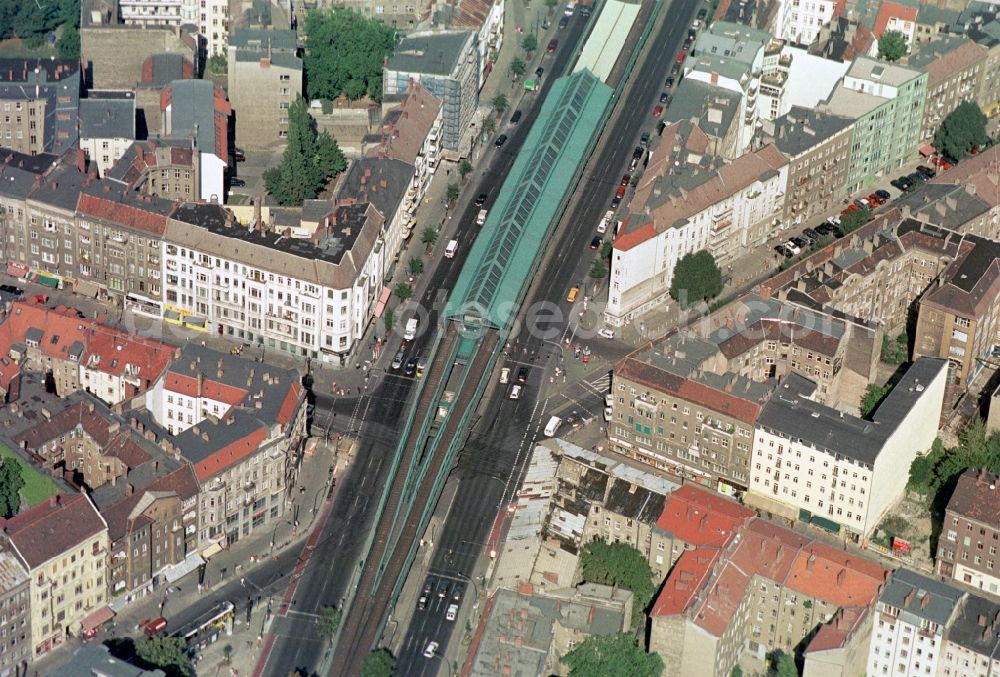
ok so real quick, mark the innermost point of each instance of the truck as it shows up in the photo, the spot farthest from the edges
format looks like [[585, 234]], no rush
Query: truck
[[410, 332], [530, 85], [449, 251]]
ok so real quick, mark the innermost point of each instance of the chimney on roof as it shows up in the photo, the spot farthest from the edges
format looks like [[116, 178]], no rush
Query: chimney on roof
[[982, 620], [841, 576], [201, 382], [810, 562], [90, 407], [908, 599], [129, 489], [924, 600]]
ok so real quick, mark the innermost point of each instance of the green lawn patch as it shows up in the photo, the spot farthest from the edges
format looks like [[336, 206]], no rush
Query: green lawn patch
[[37, 486]]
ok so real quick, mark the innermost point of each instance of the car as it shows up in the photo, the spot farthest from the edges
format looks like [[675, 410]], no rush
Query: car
[[397, 361], [451, 613], [809, 241], [422, 603], [620, 192], [456, 595], [237, 182], [825, 228], [615, 201], [515, 118], [584, 10], [539, 72], [626, 178], [669, 82], [664, 97], [874, 200], [916, 177], [681, 55], [884, 194], [675, 69], [505, 375], [835, 220], [781, 250], [602, 227], [501, 140], [596, 242], [522, 375], [793, 248], [606, 332], [898, 185], [926, 171], [799, 242], [553, 45], [431, 650], [563, 22], [481, 199], [906, 181], [848, 210], [658, 111], [429, 584], [421, 366], [515, 392], [862, 203], [570, 7], [444, 587], [702, 13], [411, 367], [11, 289], [239, 155], [573, 293], [644, 139], [811, 234], [637, 153]]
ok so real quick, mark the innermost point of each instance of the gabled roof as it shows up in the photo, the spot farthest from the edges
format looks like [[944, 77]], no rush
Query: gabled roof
[[702, 518], [977, 497], [892, 10], [406, 126], [51, 529], [113, 202], [839, 631]]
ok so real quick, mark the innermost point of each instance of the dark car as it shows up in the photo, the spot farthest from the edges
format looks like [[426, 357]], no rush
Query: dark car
[[669, 82], [664, 97], [626, 178], [916, 177], [637, 153], [584, 10], [11, 289], [501, 140], [812, 234], [237, 182], [702, 13], [596, 242], [927, 171], [898, 185], [411, 367], [553, 45], [563, 22], [444, 587], [675, 69], [644, 139], [456, 595], [481, 199], [539, 71], [799, 242], [522, 375], [239, 155], [515, 118], [884, 194], [783, 250], [430, 584]]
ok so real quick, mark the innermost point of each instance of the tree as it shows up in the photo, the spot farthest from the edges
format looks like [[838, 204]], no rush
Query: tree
[[464, 168], [403, 291], [895, 351], [452, 193], [489, 126], [309, 160], [11, 483], [346, 53], [961, 131], [874, 394], [379, 663], [737, 671], [517, 67], [854, 220], [619, 564], [69, 42], [328, 622], [551, 4], [607, 249], [783, 665], [499, 104], [167, 653], [598, 271], [217, 63], [892, 46], [612, 655], [696, 278], [388, 319], [429, 236], [529, 43], [416, 265], [33, 21]]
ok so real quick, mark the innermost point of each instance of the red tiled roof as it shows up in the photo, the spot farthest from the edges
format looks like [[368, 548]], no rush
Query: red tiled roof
[[823, 572], [834, 635], [685, 580], [52, 528], [230, 454], [702, 517], [890, 10], [210, 389], [116, 349], [289, 404], [123, 214]]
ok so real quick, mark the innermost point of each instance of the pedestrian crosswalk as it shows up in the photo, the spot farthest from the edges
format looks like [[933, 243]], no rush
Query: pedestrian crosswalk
[[599, 385]]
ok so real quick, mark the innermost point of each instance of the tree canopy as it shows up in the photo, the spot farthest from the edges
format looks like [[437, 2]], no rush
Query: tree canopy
[[874, 394], [854, 220], [328, 622], [783, 665], [32, 20], [963, 129], [11, 483], [940, 467], [622, 565], [379, 663], [696, 278], [612, 656], [892, 46], [167, 653], [309, 162], [345, 54]]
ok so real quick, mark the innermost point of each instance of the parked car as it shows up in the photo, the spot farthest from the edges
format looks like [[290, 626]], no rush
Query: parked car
[[397, 361], [702, 13], [916, 177], [884, 194], [431, 650], [411, 367], [563, 22], [615, 201], [572, 294], [539, 72], [444, 587], [501, 140], [793, 248], [515, 118], [669, 82], [505, 375], [429, 584], [570, 7], [607, 332], [783, 251], [237, 182], [596, 242], [620, 193], [675, 69], [11, 289], [522, 375], [553, 44], [637, 153], [906, 181], [898, 185], [626, 178], [862, 203], [926, 171], [239, 155], [481, 199], [658, 111], [664, 97], [811, 234], [644, 139]]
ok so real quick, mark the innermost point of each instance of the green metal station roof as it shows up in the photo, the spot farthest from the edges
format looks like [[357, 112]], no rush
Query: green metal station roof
[[502, 259]]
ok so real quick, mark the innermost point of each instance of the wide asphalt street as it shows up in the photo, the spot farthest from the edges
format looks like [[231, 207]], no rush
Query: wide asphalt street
[[491, 465]]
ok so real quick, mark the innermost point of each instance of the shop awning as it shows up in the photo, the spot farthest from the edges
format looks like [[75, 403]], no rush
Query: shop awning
[[87, 288], [927, 150], [182, 569], [16, 269], [383, 299], [771, 505], [47, 280], [97, 619], [211, 549]]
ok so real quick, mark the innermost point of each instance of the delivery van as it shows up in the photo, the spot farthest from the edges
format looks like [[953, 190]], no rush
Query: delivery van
[[410, 332], [481, 219], [449, 251], [552, 426]]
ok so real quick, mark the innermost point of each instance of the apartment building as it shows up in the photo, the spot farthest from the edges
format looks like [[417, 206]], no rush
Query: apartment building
[[39, 99], [967, 548], [164, 168], [674, 213], [151, 12], [811, 462], [107, 126], [308, 296], [957, 316], [972, 644], [886, 102], [63, 544], [211, 18], [965, 198], [954, 67], [912, 615], [896, 17], [793, 77], [801, 22], [198, 112], [447, 65], [265, 77], [15, 614], [695, 518], [119, 236], [817, 146], [240, 424], [769, 588], [840, 647], [156, 72]]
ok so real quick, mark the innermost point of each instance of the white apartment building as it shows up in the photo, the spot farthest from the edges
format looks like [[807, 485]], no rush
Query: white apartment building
[[210, 16], [151, 12], [800, 21], [912, 616], [676, 212], [810, 459], [791, 77], [311, 297], [107, 126]]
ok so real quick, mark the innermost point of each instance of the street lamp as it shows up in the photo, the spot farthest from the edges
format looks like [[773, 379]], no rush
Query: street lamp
[[445, 661], [275, 531]]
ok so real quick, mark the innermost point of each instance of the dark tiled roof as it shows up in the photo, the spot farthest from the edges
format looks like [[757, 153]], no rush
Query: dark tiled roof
[[106, 115], [977, 497], [50, 529], [920, 597]]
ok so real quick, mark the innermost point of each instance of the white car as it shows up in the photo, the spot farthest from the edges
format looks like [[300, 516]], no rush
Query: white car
[[451, 613], [607, 333], [570, 7], [792, 247], [515, 392], [505, 375], [397, 361], [602, 227], [431, 650]]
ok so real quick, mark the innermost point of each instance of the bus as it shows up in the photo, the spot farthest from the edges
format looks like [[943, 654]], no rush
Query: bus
[[209, 627]]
